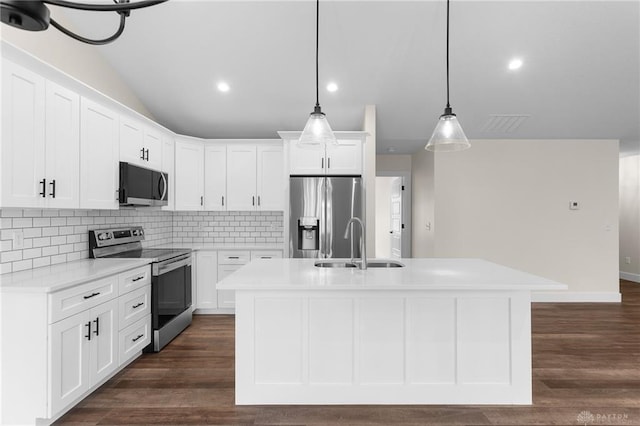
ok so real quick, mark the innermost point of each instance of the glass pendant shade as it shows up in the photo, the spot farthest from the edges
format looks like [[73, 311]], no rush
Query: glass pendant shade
[[448, 135], [317, 132]]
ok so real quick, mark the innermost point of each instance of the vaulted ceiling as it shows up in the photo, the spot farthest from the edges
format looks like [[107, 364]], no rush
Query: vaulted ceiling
[[580, 76]]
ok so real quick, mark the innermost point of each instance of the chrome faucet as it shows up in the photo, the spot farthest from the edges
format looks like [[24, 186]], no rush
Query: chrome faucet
[[363, 241]]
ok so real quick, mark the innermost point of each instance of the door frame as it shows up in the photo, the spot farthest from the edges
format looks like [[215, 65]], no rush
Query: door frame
[[406, 206]]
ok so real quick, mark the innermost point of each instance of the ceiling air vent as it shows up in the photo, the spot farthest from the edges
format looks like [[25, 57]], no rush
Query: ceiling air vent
[[504, 123]]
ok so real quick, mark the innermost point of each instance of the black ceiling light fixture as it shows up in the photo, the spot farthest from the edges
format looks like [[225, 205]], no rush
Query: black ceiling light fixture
[[317, 132], [448, 134], [33, 15]]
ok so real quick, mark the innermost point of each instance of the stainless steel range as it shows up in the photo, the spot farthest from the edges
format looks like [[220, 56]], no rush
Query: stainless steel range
[[170, 279]]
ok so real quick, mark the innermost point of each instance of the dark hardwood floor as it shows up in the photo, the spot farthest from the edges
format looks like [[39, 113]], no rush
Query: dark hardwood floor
[[586, 361]]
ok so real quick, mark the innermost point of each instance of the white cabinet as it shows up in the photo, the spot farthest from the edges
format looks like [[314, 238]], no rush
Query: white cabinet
[[206, 278], [140, 144], [84, 351], [40, 141], [98, 156], [189, 174], [215, 176], [259, 183], [241, 177], [342, 159], [168, 166]]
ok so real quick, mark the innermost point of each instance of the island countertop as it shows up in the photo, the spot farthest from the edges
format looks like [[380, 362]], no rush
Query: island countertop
[[417, 274]]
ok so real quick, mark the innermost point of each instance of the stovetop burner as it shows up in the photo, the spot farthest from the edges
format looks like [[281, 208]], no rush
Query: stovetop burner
[[158, 255], [126, 243]]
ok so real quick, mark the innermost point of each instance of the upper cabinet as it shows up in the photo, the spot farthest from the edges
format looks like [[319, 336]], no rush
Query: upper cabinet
[[189, 174], [342, 159], [40, 141], [140, 144], [98, 156], [215, 176], [270, 177]]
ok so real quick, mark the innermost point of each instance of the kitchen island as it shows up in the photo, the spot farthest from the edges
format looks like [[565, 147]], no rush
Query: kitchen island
[[436, 331]]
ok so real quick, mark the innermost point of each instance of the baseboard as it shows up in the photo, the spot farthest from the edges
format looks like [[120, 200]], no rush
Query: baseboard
[[576, 296], [630, 277]]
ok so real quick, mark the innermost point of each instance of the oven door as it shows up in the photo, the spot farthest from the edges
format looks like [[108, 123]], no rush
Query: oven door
[[171, 290]]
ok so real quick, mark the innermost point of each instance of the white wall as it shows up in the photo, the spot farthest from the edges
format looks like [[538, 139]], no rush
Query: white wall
[[507, 201], [393, 163], [423, 196], [630, 217], [383, 216], [81, 61]]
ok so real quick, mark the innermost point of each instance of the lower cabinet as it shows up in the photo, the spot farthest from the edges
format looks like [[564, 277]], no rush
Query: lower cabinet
[[79, 337], [214, 266]]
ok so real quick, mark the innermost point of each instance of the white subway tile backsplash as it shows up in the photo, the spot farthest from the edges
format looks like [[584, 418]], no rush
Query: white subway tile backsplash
[[56, 236]]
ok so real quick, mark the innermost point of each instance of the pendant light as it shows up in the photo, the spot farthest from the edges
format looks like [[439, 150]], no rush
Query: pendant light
[[448, 134], [33, 15], [317, 132]]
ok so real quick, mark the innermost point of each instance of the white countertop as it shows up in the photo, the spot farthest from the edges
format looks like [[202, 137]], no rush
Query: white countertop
[[224, 246], [58, 277], [418, 274]]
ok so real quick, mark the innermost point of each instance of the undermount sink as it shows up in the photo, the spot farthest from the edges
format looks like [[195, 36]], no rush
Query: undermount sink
[[370, 264]]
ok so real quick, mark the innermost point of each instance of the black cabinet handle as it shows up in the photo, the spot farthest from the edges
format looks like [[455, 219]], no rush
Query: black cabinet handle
[[266, 257], [201, 200], [322, 163], [43, 182], [223, 200], [138, 278], [97, 321], [147, 151], [234, 257], [88, 335], [91, 295], [53, 188], [253, 200], [137, 305], [142, 154], [258, 200], [329, 163], [135, 339]]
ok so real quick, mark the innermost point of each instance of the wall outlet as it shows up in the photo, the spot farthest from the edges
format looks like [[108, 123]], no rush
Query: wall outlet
[[18, 240], [627, 260]]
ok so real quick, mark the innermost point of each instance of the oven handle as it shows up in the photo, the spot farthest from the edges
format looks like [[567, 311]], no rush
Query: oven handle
[[159, 269]]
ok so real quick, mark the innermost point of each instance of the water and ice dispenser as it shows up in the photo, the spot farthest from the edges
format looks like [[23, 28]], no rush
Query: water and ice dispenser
[[308, 233]]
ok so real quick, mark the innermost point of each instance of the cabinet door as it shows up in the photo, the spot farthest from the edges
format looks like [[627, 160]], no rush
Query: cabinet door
[[131, 141], [189, 180], [62, 152], [305, 161], [168, 166], [23, 136], [69, 360], [98, 156], [103, 358], [207, 276], [226, 298], [345, 158], [153, 149], [215, 177], [270, 181], [241, 177]]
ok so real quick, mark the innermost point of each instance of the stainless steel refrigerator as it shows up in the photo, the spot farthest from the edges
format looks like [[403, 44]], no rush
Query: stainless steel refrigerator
[[320, 208]]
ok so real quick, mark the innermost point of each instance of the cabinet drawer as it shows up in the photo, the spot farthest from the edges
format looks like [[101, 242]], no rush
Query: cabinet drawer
[[134, 338], [134, 305], [136, 278], [266, 254], [65, 303], [236, 257]]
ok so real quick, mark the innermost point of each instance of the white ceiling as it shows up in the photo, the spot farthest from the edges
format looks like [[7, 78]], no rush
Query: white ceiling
[[580, 78]]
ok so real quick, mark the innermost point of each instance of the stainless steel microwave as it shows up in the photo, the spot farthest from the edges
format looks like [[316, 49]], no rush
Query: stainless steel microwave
[[142, 187]]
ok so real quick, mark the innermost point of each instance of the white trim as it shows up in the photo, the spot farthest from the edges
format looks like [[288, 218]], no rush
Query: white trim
[[630, 276], [576, 296]]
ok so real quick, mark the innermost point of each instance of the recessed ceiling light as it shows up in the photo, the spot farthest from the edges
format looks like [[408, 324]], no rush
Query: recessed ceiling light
[[515, 64], [223, 87], [332, 87]]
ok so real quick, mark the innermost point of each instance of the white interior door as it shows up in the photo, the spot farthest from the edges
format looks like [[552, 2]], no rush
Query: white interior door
[[396, 218]]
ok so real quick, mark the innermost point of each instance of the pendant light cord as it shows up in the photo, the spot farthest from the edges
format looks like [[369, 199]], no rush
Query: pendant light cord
[[448, 106], [317, 44]]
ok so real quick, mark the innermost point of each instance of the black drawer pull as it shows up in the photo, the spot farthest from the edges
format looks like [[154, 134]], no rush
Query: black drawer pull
[[266, 257], [92, 295], [138, 278], [135, 339], [137, 305], [97, 321]]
